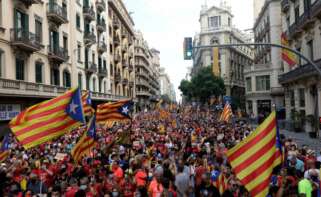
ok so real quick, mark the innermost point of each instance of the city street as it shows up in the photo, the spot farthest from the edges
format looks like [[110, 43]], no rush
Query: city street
[[303, 139]]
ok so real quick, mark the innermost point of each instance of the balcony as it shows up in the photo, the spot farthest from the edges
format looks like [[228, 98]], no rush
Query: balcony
[[143, 93], [16, 88], [124, 63], [89, 13], [302, 72], [101, 47], [100, 5], [90, 67], [304, 22], [117, 77], [89, 38], [116, 41], [125, 81], [30, 2], [102, 72], [57, 54], [101, 25], [57, 13], [117, 57], [277, 91], [124, 33], [24, 40], [285, 5], [116, 24], [130, 68]]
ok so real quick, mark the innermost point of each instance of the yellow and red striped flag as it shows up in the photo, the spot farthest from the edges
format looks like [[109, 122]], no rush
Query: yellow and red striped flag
[[86, 102], [254, 158], [116, 111], [226, 113], [221, 183], [86, 143], [4, 152], [49, 119], [287, 56]]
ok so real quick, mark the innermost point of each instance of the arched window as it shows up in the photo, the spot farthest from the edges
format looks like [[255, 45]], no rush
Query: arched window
[[94, 85], [105, 87], [66, 79], [80, 80]]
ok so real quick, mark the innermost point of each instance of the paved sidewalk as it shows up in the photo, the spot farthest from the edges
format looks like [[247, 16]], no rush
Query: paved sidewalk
[[303, 139]]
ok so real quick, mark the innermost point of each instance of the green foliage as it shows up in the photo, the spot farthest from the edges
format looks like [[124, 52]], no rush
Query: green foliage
[[203, 85]]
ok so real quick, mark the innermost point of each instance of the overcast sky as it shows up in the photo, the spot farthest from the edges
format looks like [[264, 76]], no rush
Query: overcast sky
[[165, 23]]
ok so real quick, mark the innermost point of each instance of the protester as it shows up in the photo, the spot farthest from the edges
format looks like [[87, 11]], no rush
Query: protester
[[182, 154]]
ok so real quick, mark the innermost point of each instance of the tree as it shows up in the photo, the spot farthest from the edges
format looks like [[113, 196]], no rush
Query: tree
[[203, 85]]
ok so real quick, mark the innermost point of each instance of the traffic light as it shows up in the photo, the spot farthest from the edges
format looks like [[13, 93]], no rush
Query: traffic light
[[188, 48]]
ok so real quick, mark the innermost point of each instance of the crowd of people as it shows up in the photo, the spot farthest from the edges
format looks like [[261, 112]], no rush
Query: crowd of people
[[180, 154]]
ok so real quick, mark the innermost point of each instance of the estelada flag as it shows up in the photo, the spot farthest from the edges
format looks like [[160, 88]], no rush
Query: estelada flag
[[4, 151], [87, 102], [116, 111], [254, 158], [49, 119], [86, 143], [226, 113]]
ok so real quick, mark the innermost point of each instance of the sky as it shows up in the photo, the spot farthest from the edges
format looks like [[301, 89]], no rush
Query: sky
[[165, 23]]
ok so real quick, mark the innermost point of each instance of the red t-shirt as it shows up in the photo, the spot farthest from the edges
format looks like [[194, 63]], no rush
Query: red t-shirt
[[71, 191]]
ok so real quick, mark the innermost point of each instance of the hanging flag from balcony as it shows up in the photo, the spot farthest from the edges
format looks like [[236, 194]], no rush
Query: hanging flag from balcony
[[287, 56], [50, 119], [117, 111], [86, 102]]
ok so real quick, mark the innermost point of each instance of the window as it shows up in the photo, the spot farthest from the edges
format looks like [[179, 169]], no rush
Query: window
[[66, 79], [78, 21], [307, 5], [250, 106], [20, 69], [214, 21], [80, 80], [297, 13], [93, 58], [38, 72], [54, 76], [38, 25], [105, 87], [111, 70], [21, 21], [263, 83], [310, 49], [79, 52], [65, 42], [302, 97], [229, 22], [248, 84], [94, 84], [292, 98], [1, 61]]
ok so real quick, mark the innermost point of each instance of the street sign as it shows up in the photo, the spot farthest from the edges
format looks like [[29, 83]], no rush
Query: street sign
[[188, 48]]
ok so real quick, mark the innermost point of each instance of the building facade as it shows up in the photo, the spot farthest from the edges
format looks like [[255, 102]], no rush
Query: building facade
[[262, 87], [48, 46], [121, 49], [302, 83], [217, 28], [147, 73], [166, 87], [257, 6]]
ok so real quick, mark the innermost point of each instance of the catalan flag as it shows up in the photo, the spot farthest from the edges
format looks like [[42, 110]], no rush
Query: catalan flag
[[226, 113], [86, 143], [116, 111], [86, 102], [4, 152], [159, 104], [221, 183], [287, 56], [254, 158], [49, 119]]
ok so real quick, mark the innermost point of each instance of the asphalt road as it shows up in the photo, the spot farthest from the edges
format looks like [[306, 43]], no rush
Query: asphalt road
[[304, 139]]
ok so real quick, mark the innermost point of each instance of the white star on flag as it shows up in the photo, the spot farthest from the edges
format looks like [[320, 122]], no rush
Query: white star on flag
[[73, 108], [125, 110]]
